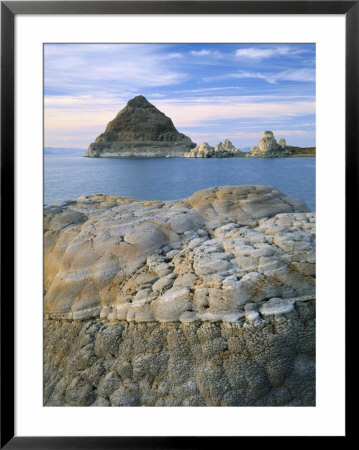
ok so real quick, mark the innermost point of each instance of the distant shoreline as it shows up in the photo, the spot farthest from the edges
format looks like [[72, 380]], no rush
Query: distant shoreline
[[78, 154], [53, 151], [302, 155]]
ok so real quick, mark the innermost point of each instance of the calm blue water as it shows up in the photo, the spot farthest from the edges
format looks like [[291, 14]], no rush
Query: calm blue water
[[68, 177]]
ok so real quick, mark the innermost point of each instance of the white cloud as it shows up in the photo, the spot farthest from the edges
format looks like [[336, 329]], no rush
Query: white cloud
[[258, 75], [305, 75], [200, 52], [208, 90], [204, 52], [301, 75], [76, 68], [196, 111], [174, 56], [82, 100], [281, 133], [258, 53]]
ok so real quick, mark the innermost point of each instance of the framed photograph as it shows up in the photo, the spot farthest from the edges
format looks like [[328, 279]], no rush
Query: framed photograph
[[168, 176]]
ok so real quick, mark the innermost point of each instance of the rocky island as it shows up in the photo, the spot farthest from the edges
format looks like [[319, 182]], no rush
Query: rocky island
[[204, 301], [268, 147], [140, 130]]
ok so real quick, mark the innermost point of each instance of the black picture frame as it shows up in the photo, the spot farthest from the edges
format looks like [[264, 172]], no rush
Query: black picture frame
[[9, 9]]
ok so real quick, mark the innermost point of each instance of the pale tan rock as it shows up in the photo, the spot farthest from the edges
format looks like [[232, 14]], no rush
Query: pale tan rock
[[282, 142], [163, 283], [200, 258], [171, 305], [203, 151], [221, 150], [269, 148], [276, 306]]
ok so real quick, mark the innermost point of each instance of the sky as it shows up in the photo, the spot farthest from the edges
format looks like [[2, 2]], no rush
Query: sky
[[211, 92]]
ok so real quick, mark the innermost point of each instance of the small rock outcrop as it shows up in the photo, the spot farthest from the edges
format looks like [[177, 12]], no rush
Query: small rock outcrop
[[282, 143], [202, 151], [268, 147], [202, 301], [138, 130], [221, 150]]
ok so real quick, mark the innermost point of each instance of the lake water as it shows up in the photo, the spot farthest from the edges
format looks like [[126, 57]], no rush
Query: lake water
[[68, 177]]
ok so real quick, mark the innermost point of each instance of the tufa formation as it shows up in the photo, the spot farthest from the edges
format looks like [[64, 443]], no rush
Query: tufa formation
[[268, 147], [221, 150]]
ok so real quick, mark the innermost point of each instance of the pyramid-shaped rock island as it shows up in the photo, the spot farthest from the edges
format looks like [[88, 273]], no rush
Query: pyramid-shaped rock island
[[140, 130]]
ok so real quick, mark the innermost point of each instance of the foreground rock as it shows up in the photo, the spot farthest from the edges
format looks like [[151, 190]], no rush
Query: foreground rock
[[207, 300], [140, 130], [153, 261], [221, 150]]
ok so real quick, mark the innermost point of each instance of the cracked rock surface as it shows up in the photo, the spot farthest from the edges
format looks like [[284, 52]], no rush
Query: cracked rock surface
[[207, 300]]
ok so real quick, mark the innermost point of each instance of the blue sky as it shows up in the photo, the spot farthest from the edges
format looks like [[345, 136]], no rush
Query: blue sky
[[210, 91]]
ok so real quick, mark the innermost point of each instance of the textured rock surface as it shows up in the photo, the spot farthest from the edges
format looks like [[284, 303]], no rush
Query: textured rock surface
[[140, 129], [207, 300], [221, 150], [268, 361]]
